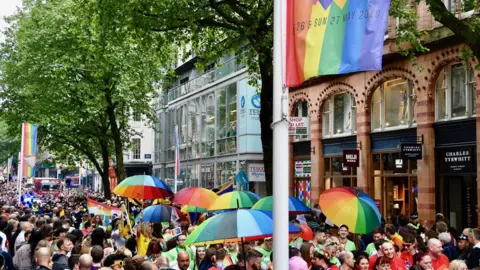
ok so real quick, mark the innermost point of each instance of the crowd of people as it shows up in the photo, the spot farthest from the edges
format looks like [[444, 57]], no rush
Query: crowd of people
[[59, 233]]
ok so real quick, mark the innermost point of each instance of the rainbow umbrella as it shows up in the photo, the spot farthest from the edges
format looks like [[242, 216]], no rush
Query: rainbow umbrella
[[195, 196], [143, 187], [160, 213], [295, 206], [352, 207], [234, 200], [234, 225]]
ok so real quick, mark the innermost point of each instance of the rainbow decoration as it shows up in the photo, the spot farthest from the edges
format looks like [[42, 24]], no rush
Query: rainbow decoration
[[333, 37], [103, 210], [29, 149], [303, 191], [352, 207]]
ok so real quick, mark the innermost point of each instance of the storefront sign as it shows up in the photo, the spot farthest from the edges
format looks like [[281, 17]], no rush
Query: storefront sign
[[458, 160], [303, 168], [256, 172], [299, 126], [148, 156], [411, 151], [350, 158]]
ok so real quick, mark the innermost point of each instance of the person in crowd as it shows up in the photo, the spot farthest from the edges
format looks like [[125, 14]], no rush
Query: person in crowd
[[318, 239], [97, 256], [306, 251], [361, 263], [423, 261], [414, 221], [295, 261], [379, 253], [60, 260], [389, 254], [409, 250], [85, 262], [347, 261], [378, 234], [25, 255], [463, 248], [474, 258], [435, 251], [200, 254], [319, 261], [232, 253], [448, 249], [345, 243], [382, 263], [43, 259], [393, 236], [457, 265], [173, 253], [266, 250]]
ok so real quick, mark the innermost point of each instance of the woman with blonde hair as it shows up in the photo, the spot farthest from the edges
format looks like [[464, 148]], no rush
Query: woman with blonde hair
[[457, 265]]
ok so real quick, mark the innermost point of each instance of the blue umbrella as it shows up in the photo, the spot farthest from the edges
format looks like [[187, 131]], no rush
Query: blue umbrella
[[159, 213]]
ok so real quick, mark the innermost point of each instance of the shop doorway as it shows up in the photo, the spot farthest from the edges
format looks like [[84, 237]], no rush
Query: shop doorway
[[395, 184], [460, 200]]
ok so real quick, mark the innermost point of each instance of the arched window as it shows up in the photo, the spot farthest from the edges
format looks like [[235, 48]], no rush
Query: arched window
[[393, 106], [338, 116], [455, 92], [301, 110]]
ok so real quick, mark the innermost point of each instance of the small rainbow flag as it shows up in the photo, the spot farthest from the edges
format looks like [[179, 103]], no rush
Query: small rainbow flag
[[103, 210], [29, 149], [333, 37]]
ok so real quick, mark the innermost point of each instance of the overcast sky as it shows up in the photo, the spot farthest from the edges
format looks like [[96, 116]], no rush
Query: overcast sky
[[7, 7]]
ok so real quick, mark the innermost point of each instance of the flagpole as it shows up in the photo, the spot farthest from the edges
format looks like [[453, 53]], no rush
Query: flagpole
[[280, 146], [177, 160], [20, 166]]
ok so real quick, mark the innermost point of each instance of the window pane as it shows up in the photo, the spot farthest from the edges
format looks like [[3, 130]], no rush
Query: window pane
[[458, 91], [342, 117], [413, 105], [473, 90], [376, 99], [208, 134], [441, 96], [304, 109], [396, 103], [232, 118], [326, 118]]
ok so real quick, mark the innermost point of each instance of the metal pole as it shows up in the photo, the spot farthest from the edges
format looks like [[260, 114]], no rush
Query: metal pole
[[177, 156], [20, 166], [280, 146]]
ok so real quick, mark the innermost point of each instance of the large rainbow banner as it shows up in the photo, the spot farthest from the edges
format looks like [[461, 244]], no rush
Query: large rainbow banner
[[29, 150], [333, 37]]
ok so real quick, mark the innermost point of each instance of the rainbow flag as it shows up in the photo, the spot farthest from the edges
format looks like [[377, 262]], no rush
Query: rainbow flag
[[104, 211], [333, 37], [29, 149]]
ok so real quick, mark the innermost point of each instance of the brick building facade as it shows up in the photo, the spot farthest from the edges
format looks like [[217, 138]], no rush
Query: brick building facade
[[376, 112]]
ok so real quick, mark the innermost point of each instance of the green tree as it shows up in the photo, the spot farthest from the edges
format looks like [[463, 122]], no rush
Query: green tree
[[214, 28], [79, 69]]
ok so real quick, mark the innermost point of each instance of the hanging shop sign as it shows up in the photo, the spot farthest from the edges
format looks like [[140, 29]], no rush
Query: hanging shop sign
[[411, 151], [457, 160], [303, 168], [299, 126], [256, 172], [350, 158]]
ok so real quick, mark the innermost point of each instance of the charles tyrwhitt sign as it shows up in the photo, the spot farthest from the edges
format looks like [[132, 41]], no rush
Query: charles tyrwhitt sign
[[457, 160], [411, 151]]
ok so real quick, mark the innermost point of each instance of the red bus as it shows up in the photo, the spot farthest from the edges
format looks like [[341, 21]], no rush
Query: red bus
[[47, 186]]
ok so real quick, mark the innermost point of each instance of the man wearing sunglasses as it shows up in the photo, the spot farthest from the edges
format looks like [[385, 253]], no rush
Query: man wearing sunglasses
[[409, 250]]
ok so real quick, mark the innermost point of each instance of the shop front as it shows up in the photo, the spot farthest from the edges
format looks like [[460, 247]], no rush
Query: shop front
[[337, 173], [456, 181], [394, 176], [302, 172]]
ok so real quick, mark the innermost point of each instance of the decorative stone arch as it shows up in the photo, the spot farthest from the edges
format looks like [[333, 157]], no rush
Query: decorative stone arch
[[389, 73], [332, 89], [295, 98], [443, 59]]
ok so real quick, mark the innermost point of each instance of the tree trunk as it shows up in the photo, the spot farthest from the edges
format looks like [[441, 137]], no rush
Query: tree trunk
[[106, 164], [117, 139], [266, 117]]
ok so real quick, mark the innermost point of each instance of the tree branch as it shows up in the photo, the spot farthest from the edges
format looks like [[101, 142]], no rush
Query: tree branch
[[215, 5], [235, 6]]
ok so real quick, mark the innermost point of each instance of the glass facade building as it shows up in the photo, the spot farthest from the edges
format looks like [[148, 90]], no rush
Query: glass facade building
[[218, 129]]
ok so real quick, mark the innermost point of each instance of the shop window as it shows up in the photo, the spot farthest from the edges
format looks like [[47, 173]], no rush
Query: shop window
[[136, 148], [455, 92], [225, 172], [338, 118], [393, 106], [227, 120], [208, 125], [338, 175], [193, 137], [301, 110]]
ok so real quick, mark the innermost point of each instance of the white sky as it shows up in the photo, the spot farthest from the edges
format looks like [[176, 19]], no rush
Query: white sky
[[7, 7]]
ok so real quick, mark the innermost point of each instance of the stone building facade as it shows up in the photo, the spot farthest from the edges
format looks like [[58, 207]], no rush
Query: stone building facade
[[379, 111]]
